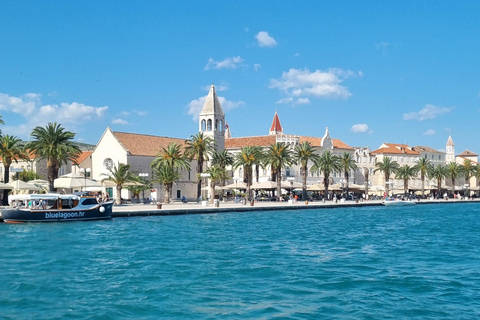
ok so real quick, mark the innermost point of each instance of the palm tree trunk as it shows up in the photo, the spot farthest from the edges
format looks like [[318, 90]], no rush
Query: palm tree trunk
[[212, 190], [118, 198], [422, 176], [167, 190], [304, 183], [453, 187], [279, 182], [199, 183], [365, 172], [325, 183], [6, 179]]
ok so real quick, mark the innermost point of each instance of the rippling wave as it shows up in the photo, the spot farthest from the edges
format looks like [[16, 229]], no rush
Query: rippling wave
[[349, 263]]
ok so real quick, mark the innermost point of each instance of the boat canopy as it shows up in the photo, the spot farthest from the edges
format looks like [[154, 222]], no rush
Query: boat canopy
[[46, 196]]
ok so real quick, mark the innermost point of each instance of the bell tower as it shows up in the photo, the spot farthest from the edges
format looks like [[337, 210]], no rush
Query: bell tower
[[450, 151], [212, 120]]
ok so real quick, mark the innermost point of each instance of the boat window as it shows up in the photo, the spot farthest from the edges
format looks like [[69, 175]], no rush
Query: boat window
[[89, 201]]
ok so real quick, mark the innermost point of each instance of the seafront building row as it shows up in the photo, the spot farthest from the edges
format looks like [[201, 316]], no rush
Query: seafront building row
[[139, 150]]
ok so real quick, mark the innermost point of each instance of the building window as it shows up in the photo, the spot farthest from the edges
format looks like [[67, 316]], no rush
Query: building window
[[209, 125], [216, 124], [204, 125], [108, 164]]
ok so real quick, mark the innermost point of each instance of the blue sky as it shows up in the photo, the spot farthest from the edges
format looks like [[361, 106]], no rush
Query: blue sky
[[372, 71]]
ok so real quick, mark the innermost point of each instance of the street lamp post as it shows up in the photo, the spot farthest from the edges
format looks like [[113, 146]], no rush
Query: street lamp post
[[143, 176], [85, 172]]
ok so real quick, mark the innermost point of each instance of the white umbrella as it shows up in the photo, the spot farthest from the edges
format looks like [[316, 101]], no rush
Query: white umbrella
[[264, 185], [22, 185], [238, 185], [290, 185], [4, 186], [74, 181], [315, 187], [108, 183]]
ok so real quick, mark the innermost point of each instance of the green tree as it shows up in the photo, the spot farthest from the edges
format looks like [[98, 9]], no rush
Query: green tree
[[423, 166], [199, 147], [217, 173], [302, 154], [406, 173], [55, 145], [222, 159], [140, 186], [326, 164], [453, 172], [278, 156], [27, 175], [387, 167], [11, 150], [246, 158], [438, 172], [1, 120], [346, 164], [166, 175], [119, 175], [167, 165], [467, 170]]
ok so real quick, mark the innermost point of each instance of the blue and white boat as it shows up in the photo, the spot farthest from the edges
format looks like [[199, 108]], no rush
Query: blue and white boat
[[54, 207], [396, 202]]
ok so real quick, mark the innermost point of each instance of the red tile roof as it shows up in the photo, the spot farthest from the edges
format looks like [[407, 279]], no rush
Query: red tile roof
[[145, 145], [261, 141], [316, 142], [394, 148], [467, 153], [276, 126], [84, 155]]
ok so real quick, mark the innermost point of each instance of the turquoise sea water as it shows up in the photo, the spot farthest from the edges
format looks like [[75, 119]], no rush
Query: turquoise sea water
[[352, 263]]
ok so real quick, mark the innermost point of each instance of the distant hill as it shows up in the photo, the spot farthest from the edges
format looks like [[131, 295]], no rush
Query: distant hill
[[82, 146]]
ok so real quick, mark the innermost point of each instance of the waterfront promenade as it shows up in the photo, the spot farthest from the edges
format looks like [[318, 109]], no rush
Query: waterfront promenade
[[178, 208]]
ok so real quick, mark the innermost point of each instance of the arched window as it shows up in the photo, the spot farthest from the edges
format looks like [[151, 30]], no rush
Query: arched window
[[216, 124], [209, 125], [221, 126], [204, 125]]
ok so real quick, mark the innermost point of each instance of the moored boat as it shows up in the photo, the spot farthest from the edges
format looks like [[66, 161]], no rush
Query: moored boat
[[54, 207], [393, 202]]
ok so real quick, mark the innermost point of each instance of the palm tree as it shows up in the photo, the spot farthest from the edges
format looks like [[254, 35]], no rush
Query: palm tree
[[303, 153], [423, 166], [140, 186], [246, 158], [406, 173], [259, 163], [347, 163], [216, 173], [166, 175], [55, 145], [366, 173], [453, 172], [10, 150], [387, 166], [326, 163], [476, 173], [171, 156], [468, 170], [169, 160], [119, 175], [200, 147], [1, 120], [438, 172], [278, 156], [222, 159]]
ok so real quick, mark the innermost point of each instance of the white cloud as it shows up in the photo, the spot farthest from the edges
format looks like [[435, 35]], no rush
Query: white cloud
[[119, 121], [265, 40], [360, 128], [285, 100], [139, 113], [29, 106], [227, 63], [428, 112], [24, 105], [303, 101], [429, 132], [195, 106], [320, 84], [70, 112], [257, 66]]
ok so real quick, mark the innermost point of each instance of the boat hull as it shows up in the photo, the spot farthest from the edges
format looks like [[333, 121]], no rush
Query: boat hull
[[398, 203], [97, 212]]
